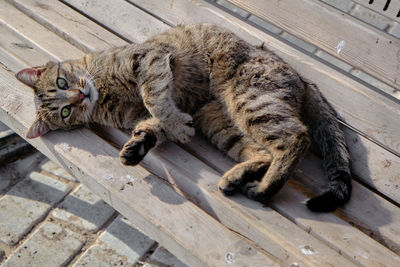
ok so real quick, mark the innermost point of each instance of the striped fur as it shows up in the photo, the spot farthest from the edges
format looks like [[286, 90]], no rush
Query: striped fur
[[246, 100]]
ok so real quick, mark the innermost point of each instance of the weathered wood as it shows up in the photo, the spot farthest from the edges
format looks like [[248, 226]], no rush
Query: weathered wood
[[392, 11], [120, 186], [363, 210], [372, 164], [367, 211], [13, 63], [117, 16], [353, 100], [15, 21], [255, 213], [380, 169], [17, 46], [198, 183], [152, 166], [140, 196], [175, 165], [55, 16], [372, 172], [363, 46], [266, 242]]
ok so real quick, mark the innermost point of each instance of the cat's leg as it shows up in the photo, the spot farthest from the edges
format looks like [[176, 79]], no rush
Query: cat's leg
[[147, 134], [286, 152], [213, 121], [156, 91], [248, 171], [273, 124]]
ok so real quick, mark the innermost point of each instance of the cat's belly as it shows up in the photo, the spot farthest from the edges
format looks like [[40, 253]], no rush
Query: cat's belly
[[190, 96]]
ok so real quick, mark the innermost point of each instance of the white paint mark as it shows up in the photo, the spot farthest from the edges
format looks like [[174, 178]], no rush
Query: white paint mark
[[229, 257], [66, 147], [364, 254], [128, 178], [307, 250], [340, 46], [108, 176]]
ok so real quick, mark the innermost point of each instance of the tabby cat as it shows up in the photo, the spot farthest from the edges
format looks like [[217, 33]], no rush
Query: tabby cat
[[244, 99]]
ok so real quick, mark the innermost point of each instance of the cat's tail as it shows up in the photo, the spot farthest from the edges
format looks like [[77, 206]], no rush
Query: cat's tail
[[329, 139]]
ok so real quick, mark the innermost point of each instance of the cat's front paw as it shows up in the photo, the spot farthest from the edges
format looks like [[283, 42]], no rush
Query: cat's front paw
[[179, 128], [135, 149]]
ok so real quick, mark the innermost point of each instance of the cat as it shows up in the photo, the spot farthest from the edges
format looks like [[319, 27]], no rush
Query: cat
[[246, 100]]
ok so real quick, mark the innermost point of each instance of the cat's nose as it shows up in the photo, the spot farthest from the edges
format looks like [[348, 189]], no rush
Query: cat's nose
[[81, 96]]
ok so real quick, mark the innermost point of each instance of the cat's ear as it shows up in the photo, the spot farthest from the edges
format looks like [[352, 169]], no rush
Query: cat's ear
[[30, 76], [38, 128]]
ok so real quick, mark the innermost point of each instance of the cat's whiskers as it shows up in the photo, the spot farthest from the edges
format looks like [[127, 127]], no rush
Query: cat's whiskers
[[93, 70], [90, 90]]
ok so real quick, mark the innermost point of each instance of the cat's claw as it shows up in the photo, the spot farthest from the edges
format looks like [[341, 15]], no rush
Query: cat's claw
[[135, 149]]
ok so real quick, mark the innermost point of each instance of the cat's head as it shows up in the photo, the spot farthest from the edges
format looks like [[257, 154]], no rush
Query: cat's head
[[66, 92]]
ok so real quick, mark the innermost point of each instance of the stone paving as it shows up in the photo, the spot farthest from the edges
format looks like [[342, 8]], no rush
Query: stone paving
[[348, 6], [47, 218]]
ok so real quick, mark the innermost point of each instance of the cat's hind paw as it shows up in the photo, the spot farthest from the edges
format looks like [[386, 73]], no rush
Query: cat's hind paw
[[135, 149], [253, 191], [227, 187], [261, 191]]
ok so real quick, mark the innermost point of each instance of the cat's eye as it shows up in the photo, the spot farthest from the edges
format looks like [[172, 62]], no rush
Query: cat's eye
[[65, 111], [62, 83]]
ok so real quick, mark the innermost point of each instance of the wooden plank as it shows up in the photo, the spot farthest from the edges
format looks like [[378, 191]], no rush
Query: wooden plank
[[263, 225], [166, 169], [13, 63], [392, 11], [363, 46], [254, 213], [272, 245], [354, 101], [19, 99], [372, 172], [121, 187], [117, 16], [371, 164], [366, 210], [374, 165], [17, 22], [94, 40], [61, 20], [19, 47]]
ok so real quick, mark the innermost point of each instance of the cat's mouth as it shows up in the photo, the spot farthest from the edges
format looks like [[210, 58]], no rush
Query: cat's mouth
[[90, 92], [83, 96]]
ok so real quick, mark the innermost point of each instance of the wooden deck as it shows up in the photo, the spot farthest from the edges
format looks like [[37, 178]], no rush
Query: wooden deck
[[172, 196]]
